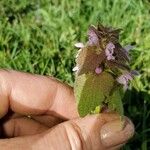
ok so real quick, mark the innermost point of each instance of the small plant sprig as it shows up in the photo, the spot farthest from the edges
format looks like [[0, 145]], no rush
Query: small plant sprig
[[102, 72]]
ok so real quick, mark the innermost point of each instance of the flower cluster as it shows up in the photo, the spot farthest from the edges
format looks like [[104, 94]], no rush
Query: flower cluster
[[104, 52]]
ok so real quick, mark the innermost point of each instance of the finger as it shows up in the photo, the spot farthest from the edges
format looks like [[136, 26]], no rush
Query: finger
[[34, 94], [79, 134], [13, 123], [47, 120], [93, 132], [20, 127]]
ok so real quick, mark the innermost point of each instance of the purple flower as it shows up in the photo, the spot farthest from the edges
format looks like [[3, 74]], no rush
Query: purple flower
[[123, 79], [93, 38], [128, 47], [110, 46], [79, 45], [134, 73], [98, 70], [110, 57], [126, 77], [109, 51]]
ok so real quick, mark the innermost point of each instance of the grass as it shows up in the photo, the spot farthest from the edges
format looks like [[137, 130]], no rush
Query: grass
[[38, 36]]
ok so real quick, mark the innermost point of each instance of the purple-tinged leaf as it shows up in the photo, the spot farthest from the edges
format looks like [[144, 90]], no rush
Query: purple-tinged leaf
[[88, 60], [117, 64], [121, 53]]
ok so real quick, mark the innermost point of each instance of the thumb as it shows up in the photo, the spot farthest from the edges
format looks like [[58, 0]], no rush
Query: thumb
[[94, 132]]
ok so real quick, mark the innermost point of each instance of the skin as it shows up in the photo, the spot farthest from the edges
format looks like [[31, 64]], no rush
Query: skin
[[39, 112]]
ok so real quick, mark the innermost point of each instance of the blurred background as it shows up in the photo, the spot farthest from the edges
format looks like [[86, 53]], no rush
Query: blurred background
[[38, 36]]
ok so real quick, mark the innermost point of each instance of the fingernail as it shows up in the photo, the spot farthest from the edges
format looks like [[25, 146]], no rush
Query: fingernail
[[116, 132]]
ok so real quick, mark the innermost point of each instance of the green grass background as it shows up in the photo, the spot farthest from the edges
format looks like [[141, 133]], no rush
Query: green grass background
[[38, 36]]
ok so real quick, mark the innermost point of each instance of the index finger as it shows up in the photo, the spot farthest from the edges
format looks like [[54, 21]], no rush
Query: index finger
[[29, 94]]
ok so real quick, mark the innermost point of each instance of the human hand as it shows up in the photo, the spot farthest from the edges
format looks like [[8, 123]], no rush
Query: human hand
[[54, 123]]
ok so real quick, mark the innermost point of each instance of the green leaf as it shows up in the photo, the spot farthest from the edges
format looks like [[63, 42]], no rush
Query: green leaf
[[115, 100], [91, 90]]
